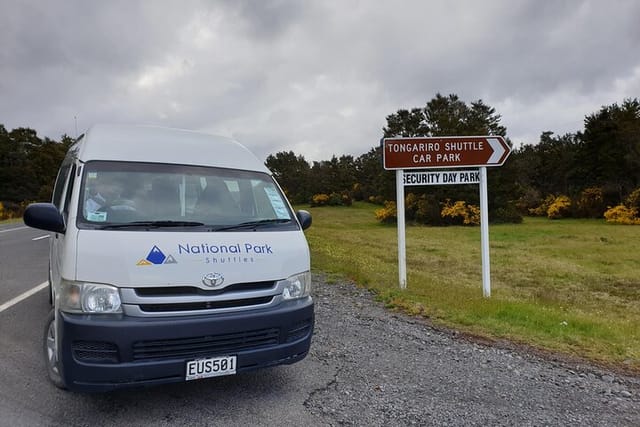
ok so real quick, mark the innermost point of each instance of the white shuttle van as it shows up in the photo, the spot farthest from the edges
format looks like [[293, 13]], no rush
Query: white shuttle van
[[174, 256]]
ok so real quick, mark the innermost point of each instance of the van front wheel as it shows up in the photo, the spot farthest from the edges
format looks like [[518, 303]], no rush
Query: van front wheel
[[50, 353]]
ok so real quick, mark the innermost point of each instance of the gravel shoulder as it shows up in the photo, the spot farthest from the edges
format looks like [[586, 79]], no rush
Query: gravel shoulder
[[386, 368]]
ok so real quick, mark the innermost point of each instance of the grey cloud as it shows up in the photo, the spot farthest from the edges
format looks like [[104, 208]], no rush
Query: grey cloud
[[268, 19], [527, 50], [86, 35], [282, 74]]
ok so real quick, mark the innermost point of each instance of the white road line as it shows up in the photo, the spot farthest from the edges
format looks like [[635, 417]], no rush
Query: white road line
[[40, 238], [24, 296], [13, 229]]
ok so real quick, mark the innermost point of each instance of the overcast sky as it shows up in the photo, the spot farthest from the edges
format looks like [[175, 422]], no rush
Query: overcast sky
[[315, 77]]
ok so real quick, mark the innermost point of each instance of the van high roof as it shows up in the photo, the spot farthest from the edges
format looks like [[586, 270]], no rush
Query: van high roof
[[165, 145]]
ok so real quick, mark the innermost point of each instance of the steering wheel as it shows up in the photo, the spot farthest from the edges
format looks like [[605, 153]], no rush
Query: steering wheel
[[120, 210]]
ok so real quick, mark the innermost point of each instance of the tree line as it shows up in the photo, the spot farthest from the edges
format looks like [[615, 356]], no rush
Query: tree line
[[578, 174], [575, 174], [28, 168]]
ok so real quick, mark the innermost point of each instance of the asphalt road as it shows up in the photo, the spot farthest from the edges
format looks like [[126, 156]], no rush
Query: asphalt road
[[23, 261], [368, 366]]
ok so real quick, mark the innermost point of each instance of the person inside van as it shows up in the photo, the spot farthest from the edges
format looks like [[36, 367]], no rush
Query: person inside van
[[216, 202], [105, 193]]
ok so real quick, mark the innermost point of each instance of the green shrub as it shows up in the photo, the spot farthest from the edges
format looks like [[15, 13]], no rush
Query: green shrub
[[319, 200], [507, 214], [560, 208], [423, 209], [387, 214], [633, 200], [411, 206], [333, 199], [10, 210], [591, 203], [461, 212], [621, 214], [346, 198], [529, 201], [542, 209], [376, 200], [427, 209], [357, 192]]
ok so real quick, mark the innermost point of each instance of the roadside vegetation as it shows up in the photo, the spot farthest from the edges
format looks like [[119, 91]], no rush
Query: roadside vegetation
[[570, 285], [592, 173], [10, 221]]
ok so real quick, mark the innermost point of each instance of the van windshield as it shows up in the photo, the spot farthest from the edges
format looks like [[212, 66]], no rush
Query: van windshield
[[127, 195]]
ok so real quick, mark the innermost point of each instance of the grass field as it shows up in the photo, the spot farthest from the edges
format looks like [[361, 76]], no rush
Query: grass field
[[10, 221], [567, 285]]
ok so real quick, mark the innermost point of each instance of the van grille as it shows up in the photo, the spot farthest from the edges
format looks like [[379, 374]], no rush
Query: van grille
[[95, 352], [204, 305], [208, 345], [299, 330], [190, 290], [171, 300]]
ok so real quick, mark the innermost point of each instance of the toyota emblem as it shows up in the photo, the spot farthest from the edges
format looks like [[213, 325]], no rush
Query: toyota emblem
[[213, 280]]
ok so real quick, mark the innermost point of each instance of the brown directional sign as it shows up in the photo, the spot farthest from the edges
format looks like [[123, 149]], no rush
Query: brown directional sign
[[444, 152]]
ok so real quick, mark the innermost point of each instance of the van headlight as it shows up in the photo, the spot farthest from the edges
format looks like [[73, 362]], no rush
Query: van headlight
[[296, 286], [80, 297]]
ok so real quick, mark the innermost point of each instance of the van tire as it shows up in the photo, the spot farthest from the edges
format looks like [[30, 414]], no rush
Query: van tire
[[50, 355]]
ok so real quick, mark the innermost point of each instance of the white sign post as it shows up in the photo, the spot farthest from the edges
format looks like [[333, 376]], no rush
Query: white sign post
[[402, 247], [484, 234], [453, 152]]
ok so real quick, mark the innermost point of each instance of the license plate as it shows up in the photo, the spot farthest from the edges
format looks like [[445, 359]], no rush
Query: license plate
[[211, 367]]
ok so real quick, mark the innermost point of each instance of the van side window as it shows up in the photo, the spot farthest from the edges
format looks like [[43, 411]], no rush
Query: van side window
[[58, 188], [67, 198]]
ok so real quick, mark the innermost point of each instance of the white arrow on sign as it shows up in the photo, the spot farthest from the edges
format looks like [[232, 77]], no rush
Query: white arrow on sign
[[498, 150]]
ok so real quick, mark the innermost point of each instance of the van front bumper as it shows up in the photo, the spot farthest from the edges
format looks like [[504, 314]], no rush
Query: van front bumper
[[101, 353]]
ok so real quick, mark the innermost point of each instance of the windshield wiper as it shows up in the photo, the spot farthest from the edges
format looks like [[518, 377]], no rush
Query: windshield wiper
[[252, 224], [152, 224]]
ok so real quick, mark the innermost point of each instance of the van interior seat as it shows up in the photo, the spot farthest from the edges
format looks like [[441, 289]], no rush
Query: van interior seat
[[164, 200], [216, 201]]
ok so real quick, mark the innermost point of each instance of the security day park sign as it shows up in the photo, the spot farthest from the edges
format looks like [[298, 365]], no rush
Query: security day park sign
[[433, 154]]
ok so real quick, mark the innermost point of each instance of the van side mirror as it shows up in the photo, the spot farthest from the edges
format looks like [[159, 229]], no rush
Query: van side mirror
[[44, 216], [304, 218]]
